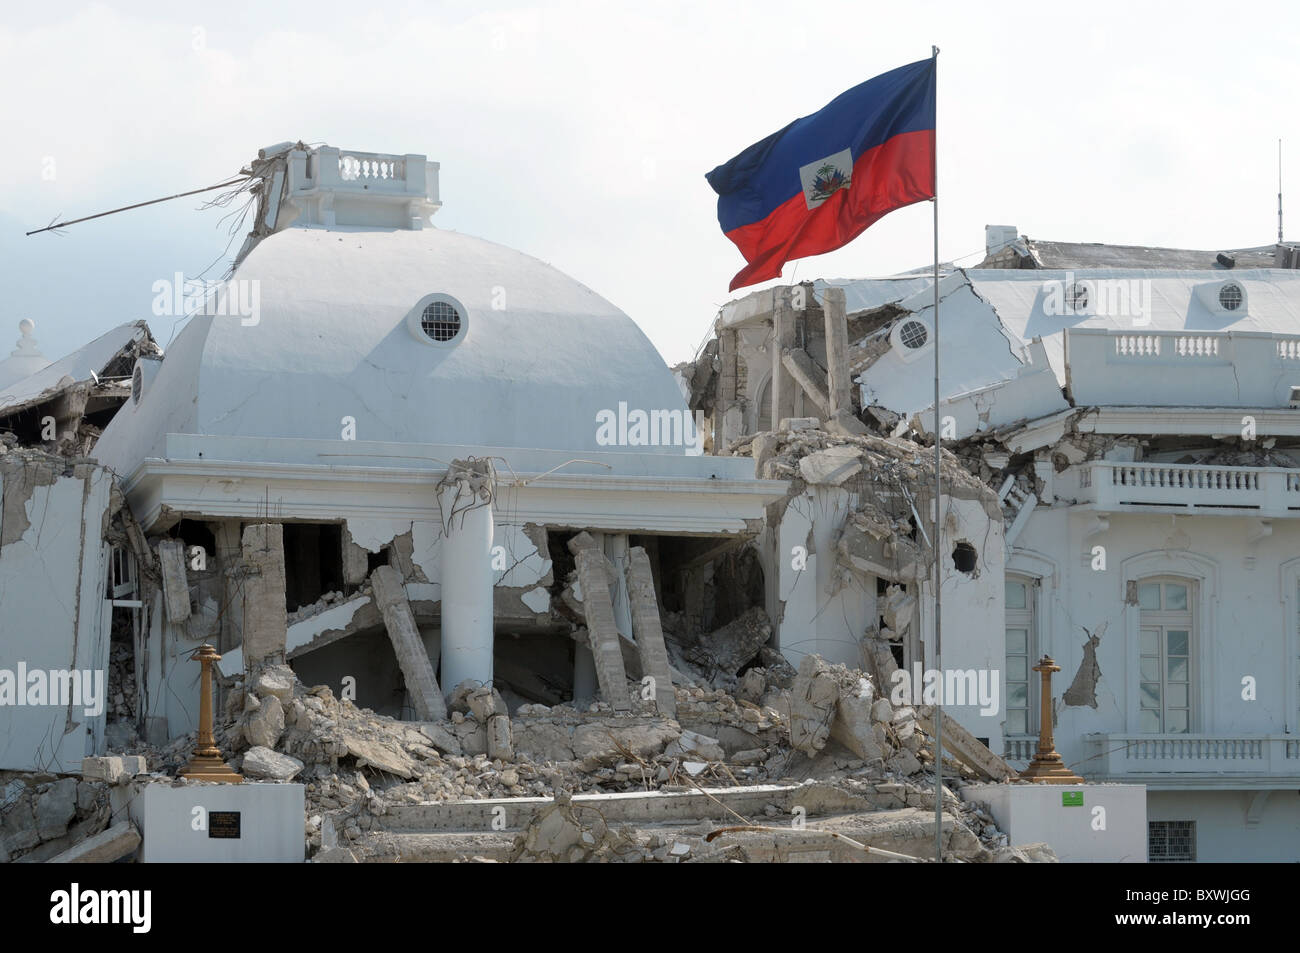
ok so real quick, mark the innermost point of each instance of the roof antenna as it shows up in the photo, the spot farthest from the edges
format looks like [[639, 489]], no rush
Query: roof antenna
[[1279, 191]]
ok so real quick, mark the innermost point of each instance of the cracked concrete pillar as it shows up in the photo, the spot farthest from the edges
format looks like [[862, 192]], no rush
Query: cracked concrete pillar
[[837, 352], [228, 552], [783, 338], [175, 584], [727, 410], [594, 578], [649, 633], [412, 659], [264, 614], [466, 562]]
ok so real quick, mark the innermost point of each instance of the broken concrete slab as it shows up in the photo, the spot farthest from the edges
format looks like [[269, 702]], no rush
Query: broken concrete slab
[[412, 657], [379, 756], [596, 745], [966, 748], [55, 808], [813, 700], [832, 466], [694, 744], [810, 377], [260, 762], [264, 725], [734, 645], [110, 769], [500, 742], [112, 844]]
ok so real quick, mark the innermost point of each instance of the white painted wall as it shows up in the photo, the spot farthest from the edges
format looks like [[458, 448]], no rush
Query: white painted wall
[[53, 615], [1246, 615], [1110, 826], [1235, 826]]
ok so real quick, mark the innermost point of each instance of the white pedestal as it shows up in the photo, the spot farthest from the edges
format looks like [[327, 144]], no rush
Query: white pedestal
[[222, 823], [1078, 833]]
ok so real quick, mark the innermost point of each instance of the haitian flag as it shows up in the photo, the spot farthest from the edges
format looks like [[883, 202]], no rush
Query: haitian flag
[[824, 179]]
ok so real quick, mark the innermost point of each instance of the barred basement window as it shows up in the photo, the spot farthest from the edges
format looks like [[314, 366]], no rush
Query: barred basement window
[[1171, 842], [440, 321], [1230, 296]]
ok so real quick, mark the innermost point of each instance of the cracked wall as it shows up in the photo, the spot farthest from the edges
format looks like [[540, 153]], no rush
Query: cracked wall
[[53, 571]]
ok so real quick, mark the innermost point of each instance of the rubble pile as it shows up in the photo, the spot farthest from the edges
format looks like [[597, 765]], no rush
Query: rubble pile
[[41, 818], [121, 682], [357, 766]]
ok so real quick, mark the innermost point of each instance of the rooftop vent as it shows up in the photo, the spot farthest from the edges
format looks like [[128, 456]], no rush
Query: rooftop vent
[[1230, 296], [438, 319], [910, 338], [1226, 298]]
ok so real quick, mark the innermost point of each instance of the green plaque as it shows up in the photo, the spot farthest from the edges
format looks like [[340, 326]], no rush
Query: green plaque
[[1071, 799]]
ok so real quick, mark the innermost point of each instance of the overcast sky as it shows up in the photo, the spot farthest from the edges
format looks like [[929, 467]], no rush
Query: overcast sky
[[580, 133]]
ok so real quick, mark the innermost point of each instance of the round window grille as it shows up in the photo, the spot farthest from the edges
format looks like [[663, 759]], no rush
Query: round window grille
[[913, 335], [1230, 296], [440, 321], [1078, 297], [137, 384]]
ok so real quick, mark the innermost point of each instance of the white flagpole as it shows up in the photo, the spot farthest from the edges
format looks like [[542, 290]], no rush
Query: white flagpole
[[938, 490]]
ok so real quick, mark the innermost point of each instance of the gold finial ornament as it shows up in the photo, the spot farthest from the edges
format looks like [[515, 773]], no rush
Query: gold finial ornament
[[206, 764], [1047, 766]]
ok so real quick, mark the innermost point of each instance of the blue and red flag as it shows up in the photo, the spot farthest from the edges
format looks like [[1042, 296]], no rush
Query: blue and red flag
[[824, 179]]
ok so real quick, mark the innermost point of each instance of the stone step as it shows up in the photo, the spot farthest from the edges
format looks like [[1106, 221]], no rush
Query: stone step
[[636, 807], [903, 831]]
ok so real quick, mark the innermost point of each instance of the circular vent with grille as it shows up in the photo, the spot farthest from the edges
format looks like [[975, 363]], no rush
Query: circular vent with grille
[[440, 320], [1230, 296], [137, 384], [913, 335]]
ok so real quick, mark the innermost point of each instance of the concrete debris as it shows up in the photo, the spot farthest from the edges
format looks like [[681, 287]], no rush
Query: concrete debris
[[40, 819], [731, 647], [1039, 853], [106, 847], [260, 762], [972, 752]]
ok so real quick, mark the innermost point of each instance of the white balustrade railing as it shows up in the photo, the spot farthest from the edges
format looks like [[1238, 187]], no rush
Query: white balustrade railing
[[365, 166], [1273, 491], [1019, 747], [1168, 344], [1120, 755]]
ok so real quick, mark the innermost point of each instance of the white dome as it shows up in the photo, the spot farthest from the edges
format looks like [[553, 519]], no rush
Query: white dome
[[539, 357]]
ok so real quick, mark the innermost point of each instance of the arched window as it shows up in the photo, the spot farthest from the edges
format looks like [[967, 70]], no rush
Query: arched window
[[1166, 656]]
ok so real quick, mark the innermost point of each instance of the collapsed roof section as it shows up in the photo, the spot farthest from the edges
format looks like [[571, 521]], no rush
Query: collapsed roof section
[[1005, 247], [64, 405]]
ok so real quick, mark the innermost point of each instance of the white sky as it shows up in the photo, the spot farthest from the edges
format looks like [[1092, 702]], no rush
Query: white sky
[[580, 132]]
